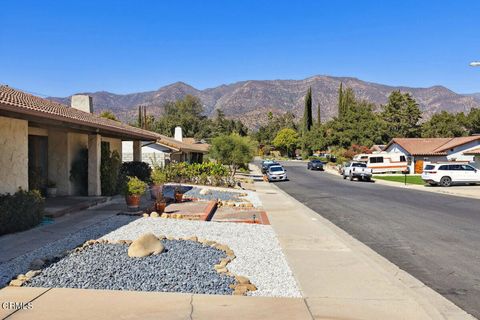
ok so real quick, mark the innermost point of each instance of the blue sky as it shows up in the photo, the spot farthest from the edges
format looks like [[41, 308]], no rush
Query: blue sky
[[62, 47]]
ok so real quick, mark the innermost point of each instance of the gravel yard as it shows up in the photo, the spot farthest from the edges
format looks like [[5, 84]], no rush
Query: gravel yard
[[21, 263], [185, 266], [258, 253]]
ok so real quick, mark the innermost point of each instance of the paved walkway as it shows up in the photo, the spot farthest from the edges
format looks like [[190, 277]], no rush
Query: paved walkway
[[17, 244]]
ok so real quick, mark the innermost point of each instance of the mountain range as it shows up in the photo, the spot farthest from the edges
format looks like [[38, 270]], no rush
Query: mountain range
[[251, 100]]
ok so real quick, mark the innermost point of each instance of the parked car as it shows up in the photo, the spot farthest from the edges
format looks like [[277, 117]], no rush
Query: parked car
[[315, 165], [445, 174], [268, 163], [276, 173], [356, 170]]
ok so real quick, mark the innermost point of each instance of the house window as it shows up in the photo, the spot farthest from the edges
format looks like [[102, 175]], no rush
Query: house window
[[402, 159]]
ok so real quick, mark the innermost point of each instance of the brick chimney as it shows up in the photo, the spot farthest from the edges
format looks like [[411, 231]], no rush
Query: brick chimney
[[178, 134], [82, 102]]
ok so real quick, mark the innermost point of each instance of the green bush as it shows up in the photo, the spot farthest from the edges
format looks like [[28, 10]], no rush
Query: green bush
[[79, 172], [139, 169], [109, 171], [20, 211], [206, 173], [158, 176], [134, 186]]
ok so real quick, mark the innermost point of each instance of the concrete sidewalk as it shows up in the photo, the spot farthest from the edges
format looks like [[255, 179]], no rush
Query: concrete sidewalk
[[342, 278]]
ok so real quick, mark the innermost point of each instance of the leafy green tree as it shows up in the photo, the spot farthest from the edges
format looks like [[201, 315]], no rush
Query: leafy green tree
[[401, 116], [340, 100], [186, 113], [107, 114], [287, 140], [443, 125], [266, 133], [359, 125], [473, 121], [232, 150], [346, 99]]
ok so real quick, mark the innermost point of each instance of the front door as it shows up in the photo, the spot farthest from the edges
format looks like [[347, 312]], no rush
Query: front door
[[419, 166], [37, 162]]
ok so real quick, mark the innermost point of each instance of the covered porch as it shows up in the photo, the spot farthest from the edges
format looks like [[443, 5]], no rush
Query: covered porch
[[47, 144]]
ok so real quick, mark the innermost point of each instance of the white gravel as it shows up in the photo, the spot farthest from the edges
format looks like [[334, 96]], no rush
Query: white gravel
[[257, 250]]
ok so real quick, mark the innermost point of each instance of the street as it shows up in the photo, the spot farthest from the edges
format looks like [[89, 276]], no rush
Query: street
[[434, 237]]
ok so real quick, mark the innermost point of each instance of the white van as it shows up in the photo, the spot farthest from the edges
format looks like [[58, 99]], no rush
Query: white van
[[387, 162]]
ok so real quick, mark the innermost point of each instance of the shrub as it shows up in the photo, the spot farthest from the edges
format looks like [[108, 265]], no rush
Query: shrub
[[109, 171], [158, 175], [20, 211], [79, 172], [207, 173], [139, 169], [135, 186]]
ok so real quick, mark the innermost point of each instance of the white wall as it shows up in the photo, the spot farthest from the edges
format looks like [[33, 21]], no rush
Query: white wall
[[13, 154], [151, 153], [457, 153]]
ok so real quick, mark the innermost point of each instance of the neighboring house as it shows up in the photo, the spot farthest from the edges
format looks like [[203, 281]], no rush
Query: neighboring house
[[40, 139], [166, 149], [421, 150], [376, 148]]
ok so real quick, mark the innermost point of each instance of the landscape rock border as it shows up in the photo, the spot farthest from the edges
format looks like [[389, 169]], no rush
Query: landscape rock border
[[241, 286]]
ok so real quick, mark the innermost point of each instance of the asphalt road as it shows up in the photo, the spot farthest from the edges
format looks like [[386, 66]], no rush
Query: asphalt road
[[434, 237]]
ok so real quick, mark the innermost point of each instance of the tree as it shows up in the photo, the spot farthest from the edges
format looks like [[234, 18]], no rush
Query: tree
[[443, 125], [340, 100], [473, 121], [319, 117], [287, 140], [232, 150], [401, 116], [107, 114], [307, 113]]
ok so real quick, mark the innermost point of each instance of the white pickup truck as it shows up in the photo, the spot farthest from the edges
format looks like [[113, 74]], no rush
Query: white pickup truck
[[356, 170]]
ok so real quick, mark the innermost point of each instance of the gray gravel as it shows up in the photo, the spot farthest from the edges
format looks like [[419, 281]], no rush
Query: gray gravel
[[185, 266], [258, 253], [21, 264]]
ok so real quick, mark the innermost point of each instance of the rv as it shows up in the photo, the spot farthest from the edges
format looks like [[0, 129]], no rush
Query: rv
[[384, 162]]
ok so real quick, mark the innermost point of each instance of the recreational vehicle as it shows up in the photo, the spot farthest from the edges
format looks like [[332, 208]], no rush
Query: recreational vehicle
[[384, 162]]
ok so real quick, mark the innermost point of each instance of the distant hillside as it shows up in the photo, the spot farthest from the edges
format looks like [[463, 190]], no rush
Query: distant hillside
[[250, 100]]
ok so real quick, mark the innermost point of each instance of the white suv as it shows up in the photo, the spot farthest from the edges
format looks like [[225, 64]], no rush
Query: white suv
[[447, 174]]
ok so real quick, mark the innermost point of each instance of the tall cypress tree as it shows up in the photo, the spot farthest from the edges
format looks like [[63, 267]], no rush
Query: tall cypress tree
[[307, 114], [340, 100], [319, 118]]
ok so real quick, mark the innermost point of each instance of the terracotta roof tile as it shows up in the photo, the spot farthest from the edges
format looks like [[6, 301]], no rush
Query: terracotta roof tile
[[431, 146], [20, 102], [474, 152], [455, 142]]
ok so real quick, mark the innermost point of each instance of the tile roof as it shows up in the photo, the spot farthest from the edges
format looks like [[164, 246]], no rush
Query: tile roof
[[431, 146], [23, 103], [188, 144], [474, 152], [420, 146], [455, 142]]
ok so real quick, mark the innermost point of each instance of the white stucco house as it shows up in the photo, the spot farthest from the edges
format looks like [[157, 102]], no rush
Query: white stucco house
[[40, 139], [418, 151], [165, 149]]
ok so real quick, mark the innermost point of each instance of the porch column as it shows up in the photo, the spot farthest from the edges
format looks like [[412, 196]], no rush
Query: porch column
[[137, 150], [94, 157]]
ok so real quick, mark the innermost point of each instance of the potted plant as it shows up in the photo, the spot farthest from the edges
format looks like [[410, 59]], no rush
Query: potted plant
[[160, 204], [134, 189], [178, 193], [51, 189], [158, 178]]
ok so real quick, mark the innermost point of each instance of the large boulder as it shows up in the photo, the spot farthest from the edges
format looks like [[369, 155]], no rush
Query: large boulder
[[144, 246]]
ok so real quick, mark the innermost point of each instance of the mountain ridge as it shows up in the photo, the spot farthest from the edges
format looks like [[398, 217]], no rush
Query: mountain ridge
[[251, 100]]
